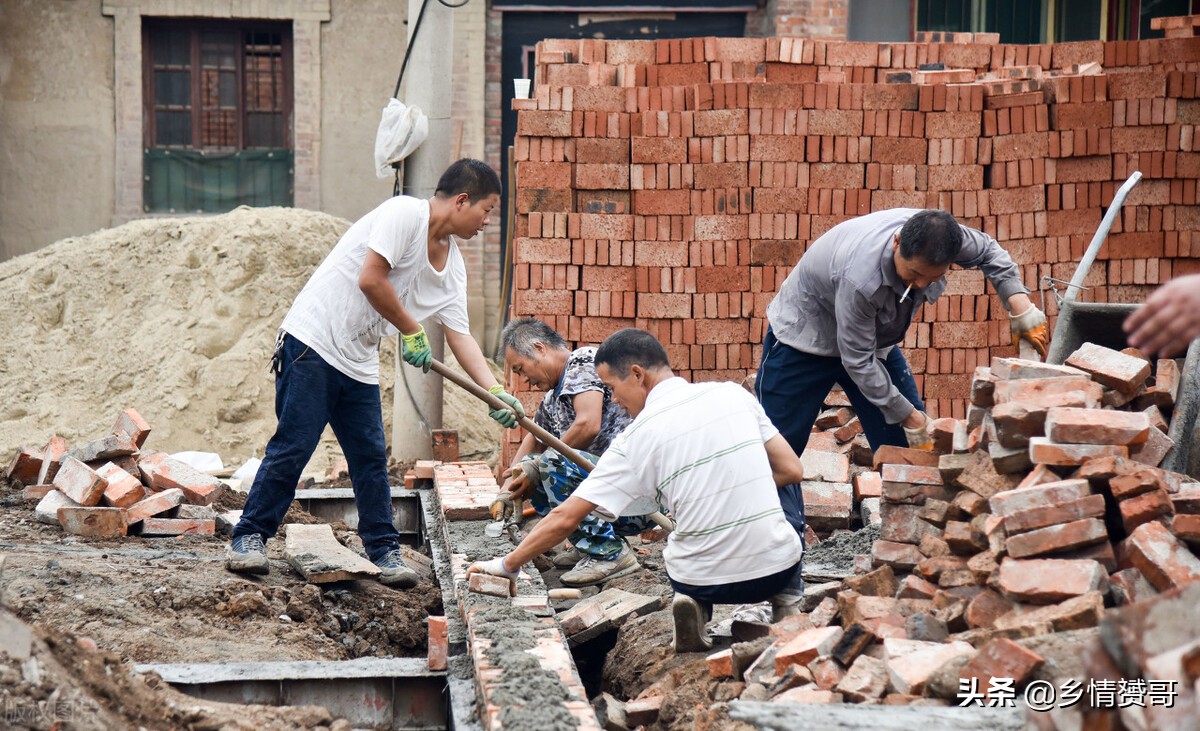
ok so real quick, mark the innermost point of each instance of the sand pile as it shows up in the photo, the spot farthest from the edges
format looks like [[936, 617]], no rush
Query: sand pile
[[175, 317]]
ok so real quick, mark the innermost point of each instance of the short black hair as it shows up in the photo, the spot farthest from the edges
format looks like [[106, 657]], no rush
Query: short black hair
[[520, 335], [932, 236], [629, 347], [473, 177]]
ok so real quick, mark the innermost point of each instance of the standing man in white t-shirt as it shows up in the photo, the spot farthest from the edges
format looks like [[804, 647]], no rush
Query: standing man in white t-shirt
[[396, 266], [707, 453]]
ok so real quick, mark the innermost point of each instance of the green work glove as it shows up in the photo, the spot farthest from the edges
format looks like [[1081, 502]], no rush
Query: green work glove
[[414, 349], [505, 417]]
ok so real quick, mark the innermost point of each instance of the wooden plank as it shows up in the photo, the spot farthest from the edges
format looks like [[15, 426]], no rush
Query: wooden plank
[[316, 554]]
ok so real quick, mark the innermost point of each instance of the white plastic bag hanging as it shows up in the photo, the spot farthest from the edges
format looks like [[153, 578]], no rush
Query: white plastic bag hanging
[[402, 130]]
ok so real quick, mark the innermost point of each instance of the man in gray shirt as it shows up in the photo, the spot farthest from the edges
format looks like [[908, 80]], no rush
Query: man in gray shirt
[[848, 303]]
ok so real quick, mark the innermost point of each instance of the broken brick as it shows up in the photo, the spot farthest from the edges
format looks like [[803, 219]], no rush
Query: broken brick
[[176, 527], [1044, 451], [51, 457], [889, 454], [131, 424], [986, 608], [25, 466], [910, 663], [833, 418], [1134, 483], [868, 485], [1096, 426], [1129, 586], [1077, 613], [970, 503], [1037, 390], [1154, 450], [1144, 508], [901, 556], [903, 524], [963, 538], [852, 643], [643, 711], [720, 664], [1090, 506], [807, 646], [481, 583], [1047, 581], [1051, 539], [828, 505], [827, 466], [865, 680], [92, 522], [1047, 495], [1111, 368], [123, 489], [1005, 369], [79, 482], [1019, 421], [880, 582], [1186, 528], [110, 447], [914, 587], [438, 644], [980, 476], [46, 510], [152, 505], [1161, 557], [162, 472], [1002, 658]]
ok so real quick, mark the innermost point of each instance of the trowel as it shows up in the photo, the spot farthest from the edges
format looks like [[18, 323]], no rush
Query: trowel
[[641, 506]]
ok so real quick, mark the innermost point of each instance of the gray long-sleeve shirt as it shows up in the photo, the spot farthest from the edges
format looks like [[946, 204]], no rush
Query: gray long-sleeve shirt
[[842, 299]]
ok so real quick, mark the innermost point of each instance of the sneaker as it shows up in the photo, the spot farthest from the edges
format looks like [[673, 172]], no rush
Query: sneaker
[[247, 555], [591, 570], [395, 572], [690, 618]]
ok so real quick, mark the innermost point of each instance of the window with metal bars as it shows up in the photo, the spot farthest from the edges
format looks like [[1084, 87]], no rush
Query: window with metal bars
[[218, 107]]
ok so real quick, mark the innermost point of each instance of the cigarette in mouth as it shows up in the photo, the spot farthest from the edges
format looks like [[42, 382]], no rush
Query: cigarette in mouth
[[905, 295]]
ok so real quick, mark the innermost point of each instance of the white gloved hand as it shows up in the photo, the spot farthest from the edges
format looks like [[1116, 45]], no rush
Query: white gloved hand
[[496, 567], [918, 437]]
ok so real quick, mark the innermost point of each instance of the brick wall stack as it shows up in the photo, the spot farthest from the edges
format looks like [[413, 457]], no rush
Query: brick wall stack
[[672, 185]]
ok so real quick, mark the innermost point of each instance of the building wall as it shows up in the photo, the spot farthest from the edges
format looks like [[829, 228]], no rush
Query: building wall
[[362, 47], [56, 122]]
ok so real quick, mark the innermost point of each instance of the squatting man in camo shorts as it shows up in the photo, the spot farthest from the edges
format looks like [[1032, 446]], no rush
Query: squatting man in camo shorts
[[578, 409]]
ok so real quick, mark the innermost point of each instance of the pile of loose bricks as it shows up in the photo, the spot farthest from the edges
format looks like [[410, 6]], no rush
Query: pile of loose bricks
[[1027, 518], [112, 486], [672, 185]]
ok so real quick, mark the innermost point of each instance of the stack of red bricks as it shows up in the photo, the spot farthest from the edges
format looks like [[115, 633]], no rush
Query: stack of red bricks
[[1179, 26], [1021, 525], [113, 486], [672, 185]]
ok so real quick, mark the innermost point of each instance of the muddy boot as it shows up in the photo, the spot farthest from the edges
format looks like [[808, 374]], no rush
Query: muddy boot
[[394, 572], [247, 555], [785, 605], [591, 570], [690, 617]]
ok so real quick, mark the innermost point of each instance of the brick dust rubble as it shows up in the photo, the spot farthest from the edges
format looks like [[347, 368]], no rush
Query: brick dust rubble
[[175, 318]]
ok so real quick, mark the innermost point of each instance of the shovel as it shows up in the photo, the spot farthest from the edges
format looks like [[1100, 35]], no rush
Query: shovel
[[641, 506]]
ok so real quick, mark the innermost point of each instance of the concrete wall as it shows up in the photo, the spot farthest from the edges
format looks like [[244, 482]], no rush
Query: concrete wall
[[362, 47], [56, 122]]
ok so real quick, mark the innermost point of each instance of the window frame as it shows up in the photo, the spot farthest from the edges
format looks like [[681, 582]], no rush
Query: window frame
[[195, 27]]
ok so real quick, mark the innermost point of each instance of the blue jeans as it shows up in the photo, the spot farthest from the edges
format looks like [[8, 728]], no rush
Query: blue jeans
[[792, 386], [310, 393], [750, 591]]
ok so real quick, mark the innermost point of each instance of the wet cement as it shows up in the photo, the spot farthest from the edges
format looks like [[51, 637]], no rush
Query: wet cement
[[839, 551], [529, 695]]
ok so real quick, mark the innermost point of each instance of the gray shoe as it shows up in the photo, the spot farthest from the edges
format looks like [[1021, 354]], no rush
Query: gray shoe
[[394, 572], [591, 570], [785, 605], [690, 617], [247, 555], [568, 558]]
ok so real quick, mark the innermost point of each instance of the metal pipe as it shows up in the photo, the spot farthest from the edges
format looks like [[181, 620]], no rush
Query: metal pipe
[[1093, 249]]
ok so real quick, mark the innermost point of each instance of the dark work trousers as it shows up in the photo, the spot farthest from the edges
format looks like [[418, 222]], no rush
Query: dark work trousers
[[792, 387], [751, 591], [310, 393]]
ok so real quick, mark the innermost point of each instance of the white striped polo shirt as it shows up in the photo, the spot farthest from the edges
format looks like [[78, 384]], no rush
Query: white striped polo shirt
[[698, 449]]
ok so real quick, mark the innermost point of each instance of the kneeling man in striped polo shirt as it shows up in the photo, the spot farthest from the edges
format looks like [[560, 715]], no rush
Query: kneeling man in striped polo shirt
[[708, 454]]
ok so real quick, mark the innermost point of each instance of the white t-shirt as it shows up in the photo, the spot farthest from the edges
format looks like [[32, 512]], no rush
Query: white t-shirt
[[332, 315], [698, 450]]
